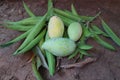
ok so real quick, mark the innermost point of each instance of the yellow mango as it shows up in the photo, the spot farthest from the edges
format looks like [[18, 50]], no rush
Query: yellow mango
[[55, 27]]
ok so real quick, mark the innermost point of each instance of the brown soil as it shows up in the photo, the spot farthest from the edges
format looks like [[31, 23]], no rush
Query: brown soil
[[107, 66]]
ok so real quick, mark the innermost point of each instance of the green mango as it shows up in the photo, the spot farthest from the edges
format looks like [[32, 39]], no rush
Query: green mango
[[74, 31], [59, 46]]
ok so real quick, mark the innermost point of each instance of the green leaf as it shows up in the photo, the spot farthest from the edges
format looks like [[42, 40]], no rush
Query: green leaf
[[103, 43], [85, 46], [73, 10], [50, 8], [99, 31], [51, 62], [37, 51], [22, 36], [93, 18], [86, 18], [28, 10], [70, 16], [34, 68], [87, 33], [73, 54], [40, 44], [50, 58], [19, 27], [110, 32], [84, 53], [38, 62], [81, 56]]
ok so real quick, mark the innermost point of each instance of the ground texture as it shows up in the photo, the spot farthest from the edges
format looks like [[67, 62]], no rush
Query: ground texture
[[107, 66]]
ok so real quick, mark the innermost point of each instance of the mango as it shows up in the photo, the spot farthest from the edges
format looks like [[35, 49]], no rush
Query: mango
[[55, 27], [59, 46], [74, 31]]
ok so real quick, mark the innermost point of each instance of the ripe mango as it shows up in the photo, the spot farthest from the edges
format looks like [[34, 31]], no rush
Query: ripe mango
[[55, 27], [59, 46], [74, 31]]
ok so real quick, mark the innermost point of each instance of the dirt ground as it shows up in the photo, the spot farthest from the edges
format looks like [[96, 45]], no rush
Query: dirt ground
[[107, 66]]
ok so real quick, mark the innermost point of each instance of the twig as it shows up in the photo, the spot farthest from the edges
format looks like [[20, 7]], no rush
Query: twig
[[58, 64], [30, 59], [80, 64]]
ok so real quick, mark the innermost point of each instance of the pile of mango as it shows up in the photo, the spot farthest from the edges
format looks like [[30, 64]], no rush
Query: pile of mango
[[57, 44]]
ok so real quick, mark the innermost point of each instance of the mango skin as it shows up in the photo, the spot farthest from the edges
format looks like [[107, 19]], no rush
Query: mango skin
[[74, 31], [55, 27], [59, 46]]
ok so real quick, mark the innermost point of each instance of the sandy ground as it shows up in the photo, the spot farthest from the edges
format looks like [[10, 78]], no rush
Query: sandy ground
[[107, 66]]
